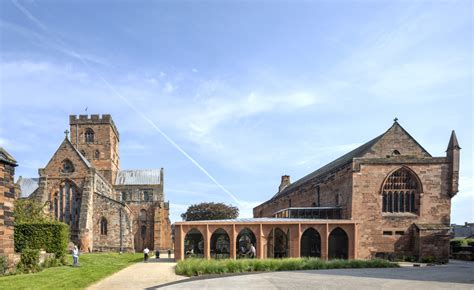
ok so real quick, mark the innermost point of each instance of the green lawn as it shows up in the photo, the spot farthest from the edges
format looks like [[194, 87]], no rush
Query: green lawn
[[92, 267]]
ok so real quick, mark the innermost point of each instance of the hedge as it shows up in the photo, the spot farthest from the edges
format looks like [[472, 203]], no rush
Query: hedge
[[53, 237], [195, 267]]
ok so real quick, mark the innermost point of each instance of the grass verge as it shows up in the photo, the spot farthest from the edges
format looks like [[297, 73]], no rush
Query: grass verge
[[92, 267], [196, 267]]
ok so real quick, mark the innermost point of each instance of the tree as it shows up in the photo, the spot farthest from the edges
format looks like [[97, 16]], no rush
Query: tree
[[30, 211], [210, 211]]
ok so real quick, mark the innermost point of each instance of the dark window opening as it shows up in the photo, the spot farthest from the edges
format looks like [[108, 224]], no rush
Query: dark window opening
[[103, 226], [387, 233], [399, 233], [68, 167], [96, 155], [89, 135]]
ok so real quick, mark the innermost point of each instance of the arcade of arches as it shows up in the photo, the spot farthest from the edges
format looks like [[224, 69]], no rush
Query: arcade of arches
[[271, 239]]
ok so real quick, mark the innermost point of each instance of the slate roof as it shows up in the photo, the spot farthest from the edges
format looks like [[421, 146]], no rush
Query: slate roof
[[432, 226], [28, 186], [6, 157], [137, 177], [342, 161], [339, 162]]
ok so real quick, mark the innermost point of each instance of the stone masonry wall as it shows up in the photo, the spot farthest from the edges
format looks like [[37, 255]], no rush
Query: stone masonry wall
[[119, 225], [106, 141], [7, 200], [162, 227], [434, 207]]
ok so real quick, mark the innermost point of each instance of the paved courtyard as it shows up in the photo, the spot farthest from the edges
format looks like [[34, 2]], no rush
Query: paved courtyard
[[141, 276], [455, 275]]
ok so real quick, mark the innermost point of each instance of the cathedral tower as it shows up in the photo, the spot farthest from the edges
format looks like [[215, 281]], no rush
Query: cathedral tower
[[97, 139]]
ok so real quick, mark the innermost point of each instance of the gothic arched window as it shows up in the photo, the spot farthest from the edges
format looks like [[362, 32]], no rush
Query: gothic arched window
[[89, 135], [124, 196], [67, 205], [96, 155], [400, 192], [67, 166], [143, 232], [103, 226]]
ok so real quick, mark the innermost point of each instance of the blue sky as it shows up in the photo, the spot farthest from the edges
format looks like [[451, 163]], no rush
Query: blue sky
[[250, 90]]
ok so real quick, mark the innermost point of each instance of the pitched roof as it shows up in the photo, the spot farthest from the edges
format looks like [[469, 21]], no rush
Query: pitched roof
[[5, 157], [344, 160], [83, 158], [339, 162], [27, 186], [138, 177]]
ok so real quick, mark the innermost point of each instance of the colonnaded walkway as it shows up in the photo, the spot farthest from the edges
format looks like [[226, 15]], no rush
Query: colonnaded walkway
[[141, 275]]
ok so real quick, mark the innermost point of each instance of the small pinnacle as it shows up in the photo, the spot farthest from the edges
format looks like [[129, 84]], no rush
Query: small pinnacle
[[66, 133]]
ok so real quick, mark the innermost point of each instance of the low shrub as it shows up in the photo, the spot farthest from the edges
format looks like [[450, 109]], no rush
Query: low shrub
[[428, 259], [29, 261], [3, 265], [197, 267]]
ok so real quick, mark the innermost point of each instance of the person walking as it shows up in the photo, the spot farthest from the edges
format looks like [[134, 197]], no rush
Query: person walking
[[145, 254], [157, 254], [75, 256], [169, 253]]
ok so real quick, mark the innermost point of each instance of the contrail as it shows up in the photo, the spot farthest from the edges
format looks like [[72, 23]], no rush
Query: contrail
[[37, 22]]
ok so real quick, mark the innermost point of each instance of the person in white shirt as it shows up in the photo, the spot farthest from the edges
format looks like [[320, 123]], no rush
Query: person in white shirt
[[75, 256], [145, 252], [252, 251]]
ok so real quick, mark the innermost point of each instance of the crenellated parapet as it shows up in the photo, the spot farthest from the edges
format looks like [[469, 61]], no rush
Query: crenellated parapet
[[93, 120]]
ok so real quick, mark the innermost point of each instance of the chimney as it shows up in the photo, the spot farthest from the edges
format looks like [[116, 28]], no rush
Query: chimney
[[285, 181]]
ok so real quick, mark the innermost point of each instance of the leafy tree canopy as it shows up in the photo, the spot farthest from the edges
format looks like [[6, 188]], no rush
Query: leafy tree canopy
[[210, 211], [30, 211]]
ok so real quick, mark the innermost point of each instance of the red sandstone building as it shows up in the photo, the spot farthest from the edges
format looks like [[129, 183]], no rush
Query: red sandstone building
[[8, 194], [386, 198]]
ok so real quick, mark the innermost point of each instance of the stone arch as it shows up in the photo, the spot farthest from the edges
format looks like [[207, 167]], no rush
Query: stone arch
[[143, 215], [400, 191], [194, 244], [278, 243], [310, 243], [338, 244], [245, 239], [66, 205], [220, 244]]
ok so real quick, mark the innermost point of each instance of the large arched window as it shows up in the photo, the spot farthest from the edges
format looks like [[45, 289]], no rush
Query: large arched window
[[401, 191], [67, 205], [103, 226], [89, 135]]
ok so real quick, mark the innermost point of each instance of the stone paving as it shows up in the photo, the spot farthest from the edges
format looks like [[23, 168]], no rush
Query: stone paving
[[455, 275], [141, 276]]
